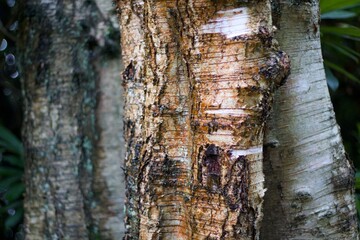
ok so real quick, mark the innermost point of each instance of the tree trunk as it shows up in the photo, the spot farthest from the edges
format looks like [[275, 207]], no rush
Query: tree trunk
[[199, 80], [309, 180], [70, 64]]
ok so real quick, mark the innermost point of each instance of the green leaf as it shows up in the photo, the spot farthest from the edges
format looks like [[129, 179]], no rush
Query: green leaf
[[15, 192], [15, 205], [331, 5], [346, 51], [7, 182], [14, 160], [339, 14], [342, 71], [347, 30], [14, 220], [357, 181], [357, 201], [10, 171], [10, 142]]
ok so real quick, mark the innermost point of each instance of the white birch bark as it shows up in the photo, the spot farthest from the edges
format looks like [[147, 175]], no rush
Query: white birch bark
[[309, 179]]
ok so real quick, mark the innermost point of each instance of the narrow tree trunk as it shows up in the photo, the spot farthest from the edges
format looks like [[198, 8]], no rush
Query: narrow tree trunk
[[199, 80], [70, 189], [310, 182], [109, 180]]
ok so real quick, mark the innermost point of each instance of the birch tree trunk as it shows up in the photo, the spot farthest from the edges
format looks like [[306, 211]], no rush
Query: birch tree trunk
[[199, 80], [309, 179], [72, 131]]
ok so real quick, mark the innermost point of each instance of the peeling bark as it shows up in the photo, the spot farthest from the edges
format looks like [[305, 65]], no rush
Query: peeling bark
[[199, 79], [67, 52], [309, 180]]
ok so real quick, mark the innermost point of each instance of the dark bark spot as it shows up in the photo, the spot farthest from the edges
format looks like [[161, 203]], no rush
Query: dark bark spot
[[240, 38], [194, 125], [265, 36], [303, 195], [213, 126], [265, 106], [212, 151], [272, 144], [200, 163], [91, 43], [236, 189], [299, 218], [170, 172], [211, 162], [129, 72], [137, 151]]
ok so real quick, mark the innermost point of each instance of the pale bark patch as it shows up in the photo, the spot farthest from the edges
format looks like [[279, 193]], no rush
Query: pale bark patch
[[231, 23]]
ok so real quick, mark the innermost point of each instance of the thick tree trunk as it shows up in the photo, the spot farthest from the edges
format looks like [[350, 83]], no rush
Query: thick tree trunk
[[199, 80], [72, 172], [310, 182]]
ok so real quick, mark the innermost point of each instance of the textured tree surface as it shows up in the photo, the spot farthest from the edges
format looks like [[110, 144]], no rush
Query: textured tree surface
[[309, 180], [70, 65], [199, 78]]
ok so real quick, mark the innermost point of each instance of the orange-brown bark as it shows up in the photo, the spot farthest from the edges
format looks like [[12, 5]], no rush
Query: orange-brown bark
[[203, 73]]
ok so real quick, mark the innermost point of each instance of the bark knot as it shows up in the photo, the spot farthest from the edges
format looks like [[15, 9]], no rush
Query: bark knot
[[276, 68]]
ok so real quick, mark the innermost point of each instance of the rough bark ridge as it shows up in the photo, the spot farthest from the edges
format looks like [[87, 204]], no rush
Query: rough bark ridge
[[199, 79], [63, 45], [309, 180]]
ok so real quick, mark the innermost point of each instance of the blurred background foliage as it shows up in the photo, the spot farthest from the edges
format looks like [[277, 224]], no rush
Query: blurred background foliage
[[11, 149], [340, 36]]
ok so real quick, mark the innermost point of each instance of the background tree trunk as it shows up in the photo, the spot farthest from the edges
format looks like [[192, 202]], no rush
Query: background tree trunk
[[199, 82], [109, 180], [70, 65], [310, 182]]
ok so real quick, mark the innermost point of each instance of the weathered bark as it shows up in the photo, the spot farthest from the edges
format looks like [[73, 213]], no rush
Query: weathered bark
[[199, 80], [67, 52], [309, 180]]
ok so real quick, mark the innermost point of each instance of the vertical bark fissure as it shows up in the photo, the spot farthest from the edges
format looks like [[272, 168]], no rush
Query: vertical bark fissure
[[208, 72], [308, 177], [133, 52]]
